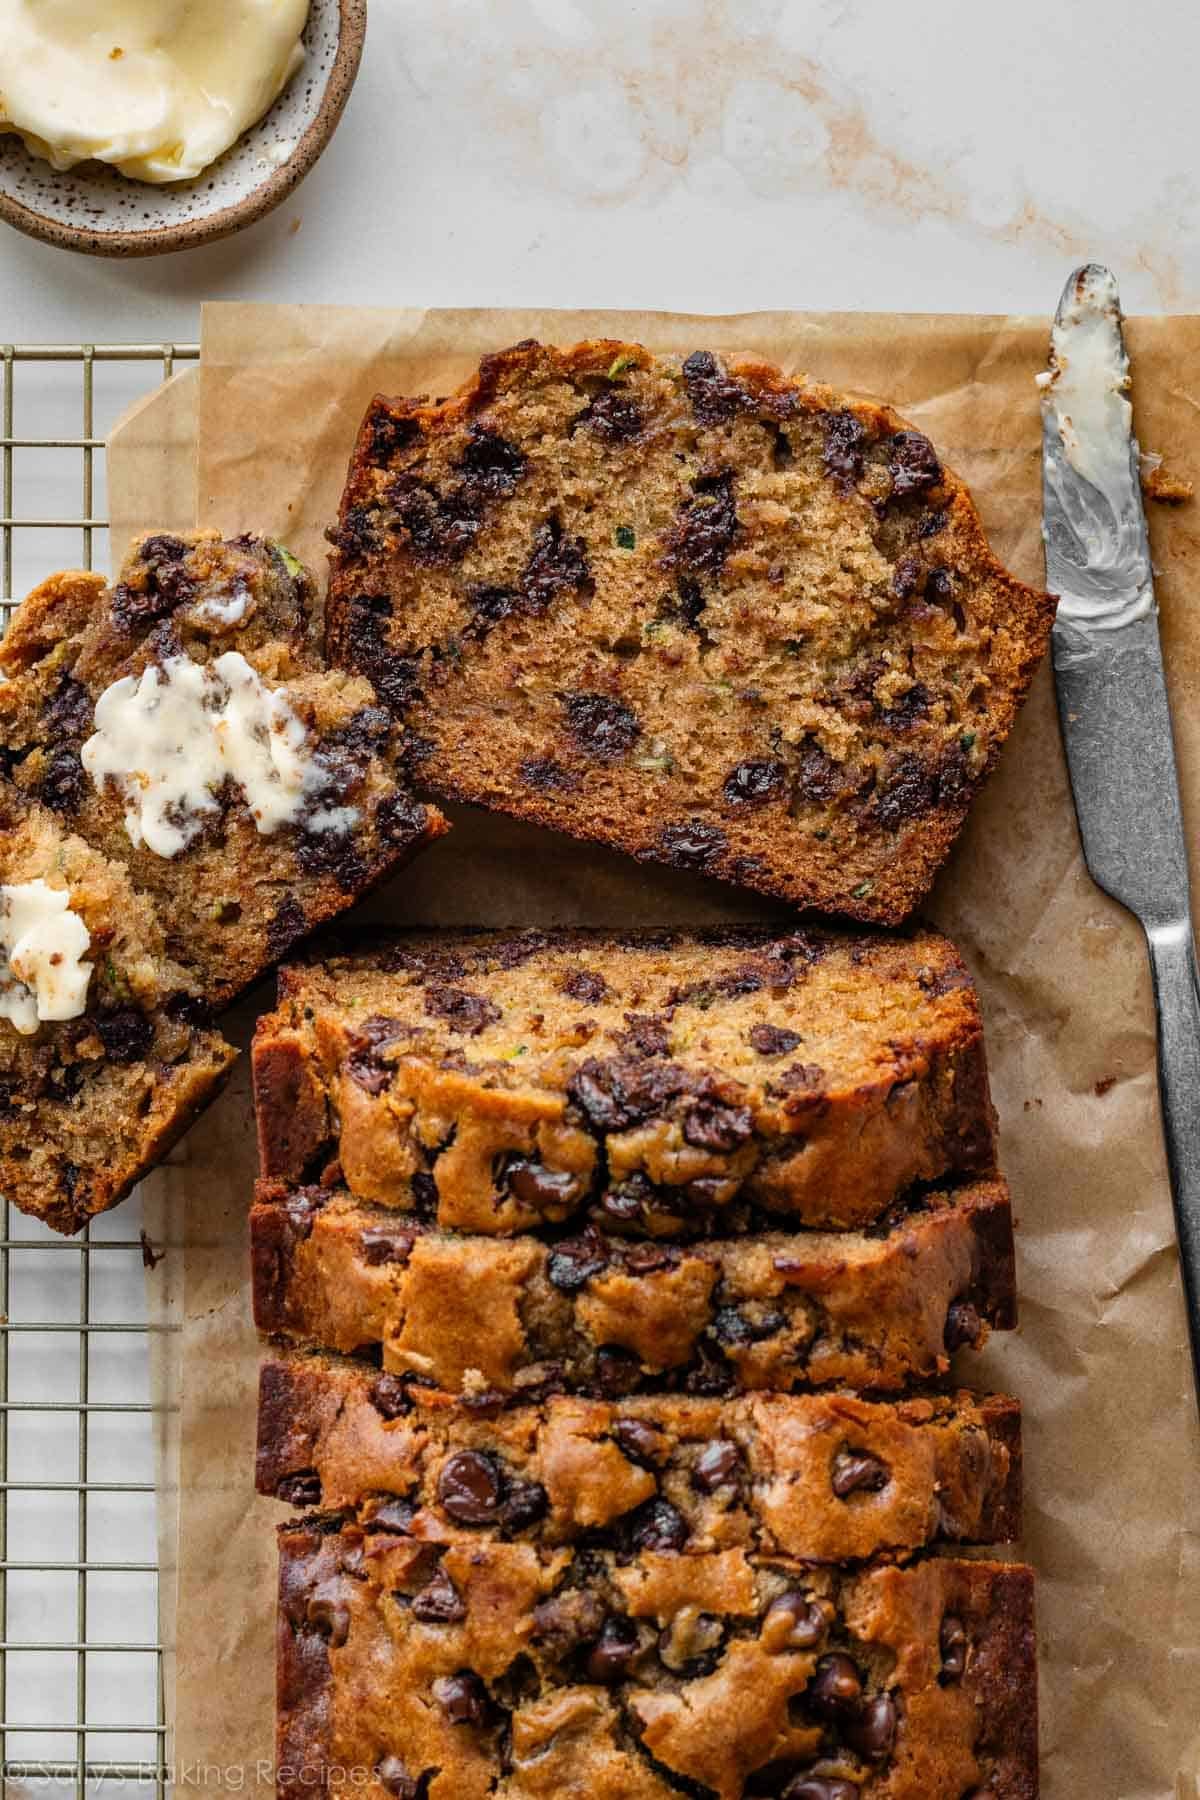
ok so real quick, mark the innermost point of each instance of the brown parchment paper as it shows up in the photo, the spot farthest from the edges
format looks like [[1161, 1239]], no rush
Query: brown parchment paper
[[1113, 1450]]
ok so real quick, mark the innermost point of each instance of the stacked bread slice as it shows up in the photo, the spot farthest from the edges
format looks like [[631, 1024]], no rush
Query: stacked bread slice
[[613, 1284]]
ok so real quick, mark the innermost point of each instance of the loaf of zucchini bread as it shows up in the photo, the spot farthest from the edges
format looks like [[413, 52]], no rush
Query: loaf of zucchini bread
[[657, 1083], [712, 615], [822, 1477], [430, 1671], [197, 791], [605, 1314]]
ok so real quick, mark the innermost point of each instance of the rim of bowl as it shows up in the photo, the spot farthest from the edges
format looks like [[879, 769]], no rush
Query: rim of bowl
[[262, 199]]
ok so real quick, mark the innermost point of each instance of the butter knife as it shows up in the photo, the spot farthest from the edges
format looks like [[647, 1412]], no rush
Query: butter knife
[[1112, 700]]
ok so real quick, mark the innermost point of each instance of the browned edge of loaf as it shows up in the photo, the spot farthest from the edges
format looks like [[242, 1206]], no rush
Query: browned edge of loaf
[[1002, 1676], [150, 1149], [296, 1128], [302, 1399], [887, 903]]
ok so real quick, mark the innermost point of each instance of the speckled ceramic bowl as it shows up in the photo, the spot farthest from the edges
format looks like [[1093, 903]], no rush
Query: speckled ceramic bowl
[[95, 209]]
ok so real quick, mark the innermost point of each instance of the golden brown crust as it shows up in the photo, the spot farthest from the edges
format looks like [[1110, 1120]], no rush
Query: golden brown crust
[[826, 1478], [768, 1311], [771, 640], [657, 1082], [460, 1673]]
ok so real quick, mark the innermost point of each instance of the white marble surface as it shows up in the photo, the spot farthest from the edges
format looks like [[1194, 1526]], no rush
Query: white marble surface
[[709, 155], [698, 154]]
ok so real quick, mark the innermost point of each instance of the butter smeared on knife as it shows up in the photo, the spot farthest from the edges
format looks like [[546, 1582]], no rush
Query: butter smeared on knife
[[1112, 699]]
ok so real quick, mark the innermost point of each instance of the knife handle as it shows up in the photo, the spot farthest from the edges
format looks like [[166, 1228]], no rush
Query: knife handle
[[1177, 997]]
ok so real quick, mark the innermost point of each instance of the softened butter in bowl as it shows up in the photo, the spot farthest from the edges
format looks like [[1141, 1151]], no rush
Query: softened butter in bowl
[[159, 89]]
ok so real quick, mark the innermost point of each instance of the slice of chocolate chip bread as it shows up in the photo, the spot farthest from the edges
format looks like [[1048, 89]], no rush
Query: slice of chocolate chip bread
[[822, 1477], [716, 617], [183, 723], [481, 1669], [498, 1083], [105, 1052], [607, 1315]]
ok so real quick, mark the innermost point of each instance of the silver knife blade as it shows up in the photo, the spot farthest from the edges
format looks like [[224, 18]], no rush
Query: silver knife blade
[[1112, 701], [1112, 693]]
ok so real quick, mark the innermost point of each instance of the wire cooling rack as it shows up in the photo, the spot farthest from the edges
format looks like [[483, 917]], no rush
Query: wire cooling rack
[[81, 1660]]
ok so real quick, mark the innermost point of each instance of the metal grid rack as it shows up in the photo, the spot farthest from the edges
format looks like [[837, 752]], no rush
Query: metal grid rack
[[81, 1658]]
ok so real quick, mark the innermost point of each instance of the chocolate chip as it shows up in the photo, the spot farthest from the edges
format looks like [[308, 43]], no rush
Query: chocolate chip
[[379, 1244], [390, 1396], [753, 783], [706, 527], [940, 587], [161, 548], [872, 1730], [425, 1194], [981, 1793], [63, 784], [364, 1062], [331, 1618], [773, 1040], [463, 1011], [964, 1327], [907, 577], [68, 712], [573, 1262], [394, 1777], [845, 447], [399, 819], [557, 565], [716, 1466], [931, 523], [126, 1035], [736, 1326], [856, 1473], [820, 1787], [462, 1697], [287, 924], [393, 1515], [657, 1525], [391, 433], [710, 1125], [302, 1488], [647, 1036], [610, 1656], [836, 1688], [533, 1185], [793, 1622], [441, 527], [952, 1641], [492, 464], [332, 853], [470, 1488], [912, 463], [715, 396], [546, 775], [650, 1259], [585, 986], [710, 1373], [618, 1371], [693, 845], [439, 1602], [642, 1443], [567, 1620], [911, 707], [600, 726], [908, 792], [525, 1502], [612, 416]]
